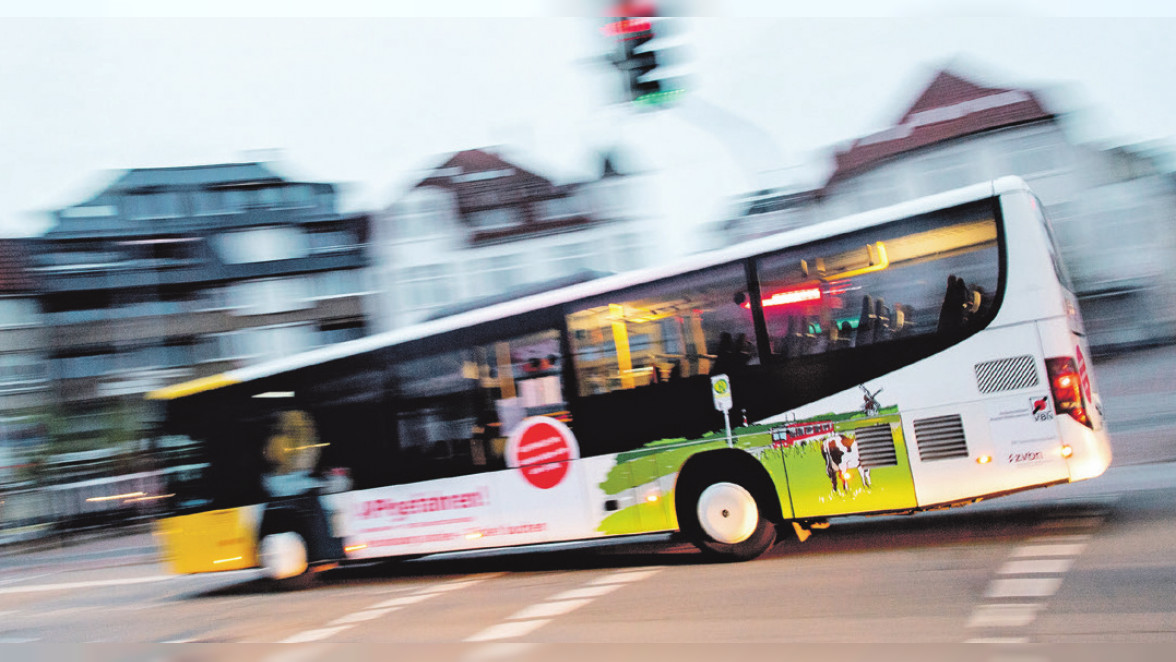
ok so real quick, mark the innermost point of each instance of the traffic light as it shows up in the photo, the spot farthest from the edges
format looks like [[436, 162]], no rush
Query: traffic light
[[637, 64]]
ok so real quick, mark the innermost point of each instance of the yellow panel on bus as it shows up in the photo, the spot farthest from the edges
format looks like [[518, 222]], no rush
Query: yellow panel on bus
[[211, 541]]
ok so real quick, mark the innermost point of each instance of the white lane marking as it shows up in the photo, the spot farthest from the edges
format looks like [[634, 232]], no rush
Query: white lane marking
[[1058, 539], [1037, 587], [386, 607], [547, 610], [1039, 551], [587, 592], [70, 586], [445, 588], [28, 578], [1004, 615], [1035, 567], [625, 577], [360, 616], [16, 640], [314, 635], [403, 601], [509, 630], [1072, 523], [998, 640], [533, 617], [498, 650]]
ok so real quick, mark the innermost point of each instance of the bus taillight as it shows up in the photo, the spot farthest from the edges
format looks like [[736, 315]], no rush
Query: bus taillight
[[1066, 386]]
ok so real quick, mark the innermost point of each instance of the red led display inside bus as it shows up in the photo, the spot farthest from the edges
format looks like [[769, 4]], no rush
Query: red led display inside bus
[[805, 295]]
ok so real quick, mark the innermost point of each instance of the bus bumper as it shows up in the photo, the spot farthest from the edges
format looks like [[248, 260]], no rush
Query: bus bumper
[[212, 541]]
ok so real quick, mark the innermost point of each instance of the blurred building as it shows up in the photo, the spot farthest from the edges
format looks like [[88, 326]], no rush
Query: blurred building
[[175, 273], [1113, 209], [479, 227], [24, 383]]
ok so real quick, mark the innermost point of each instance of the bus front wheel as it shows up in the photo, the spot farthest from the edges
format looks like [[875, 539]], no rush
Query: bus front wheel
[[283, 556], [731, 524]]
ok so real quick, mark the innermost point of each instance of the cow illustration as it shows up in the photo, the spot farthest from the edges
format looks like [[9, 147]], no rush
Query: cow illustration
[[841, 458]]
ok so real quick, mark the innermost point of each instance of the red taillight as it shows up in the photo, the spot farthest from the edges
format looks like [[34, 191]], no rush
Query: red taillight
[[1066, 385]]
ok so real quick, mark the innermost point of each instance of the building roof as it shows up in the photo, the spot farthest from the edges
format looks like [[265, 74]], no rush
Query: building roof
[[201, 175], [15, 277], [455, 173], [950, 107]]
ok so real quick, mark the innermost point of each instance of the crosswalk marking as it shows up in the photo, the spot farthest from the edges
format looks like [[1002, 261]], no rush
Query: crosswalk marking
[[1037, 587], [1036, 566]]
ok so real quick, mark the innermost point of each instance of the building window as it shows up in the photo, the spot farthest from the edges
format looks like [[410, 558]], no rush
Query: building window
[[298, 195], [21, 371], [19, 312], [271, 342], [502, 273], [270, 295], [159, 204], [89, 211], [629, 252], [81, 260], [497, 218], [1034, 161], [85, 365], [427, 286], [331, 240], [340, 332], [338, 283], [572, 259], [557, 208], [262, 245], [947, 173], [211, 201]]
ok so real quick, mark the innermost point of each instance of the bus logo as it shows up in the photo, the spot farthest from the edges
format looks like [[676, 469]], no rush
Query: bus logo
[[1041, 408], [542, 448]]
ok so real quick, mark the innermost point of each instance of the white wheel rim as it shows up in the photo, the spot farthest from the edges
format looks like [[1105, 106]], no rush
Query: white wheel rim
[[727, 513]]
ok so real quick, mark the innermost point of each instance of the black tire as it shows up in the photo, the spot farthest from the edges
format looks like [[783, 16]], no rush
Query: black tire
[[743, 535]]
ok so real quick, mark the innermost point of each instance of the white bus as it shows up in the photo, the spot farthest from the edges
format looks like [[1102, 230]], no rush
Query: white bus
[[924, 355]]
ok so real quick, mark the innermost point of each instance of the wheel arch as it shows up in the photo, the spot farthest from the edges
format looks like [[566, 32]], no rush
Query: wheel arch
[[305, 517]]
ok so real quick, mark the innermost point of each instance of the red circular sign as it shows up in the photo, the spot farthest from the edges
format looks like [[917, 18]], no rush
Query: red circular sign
[[542, 453]]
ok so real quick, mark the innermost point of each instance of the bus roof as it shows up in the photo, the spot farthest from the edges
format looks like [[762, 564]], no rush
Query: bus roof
[[603, 285]]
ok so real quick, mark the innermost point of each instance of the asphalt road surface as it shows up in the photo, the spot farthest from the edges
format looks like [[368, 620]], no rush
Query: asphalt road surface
[[1088, 562], [1079, 564]]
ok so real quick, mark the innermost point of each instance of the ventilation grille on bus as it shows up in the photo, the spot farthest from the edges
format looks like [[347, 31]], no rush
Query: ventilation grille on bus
[[1006, 374], [940, 438], [876, 446]]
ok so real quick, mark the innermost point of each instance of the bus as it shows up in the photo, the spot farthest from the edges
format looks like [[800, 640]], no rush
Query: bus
[[921, 356]]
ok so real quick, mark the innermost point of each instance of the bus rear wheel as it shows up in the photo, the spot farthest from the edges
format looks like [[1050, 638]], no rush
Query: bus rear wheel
[[730, 523]]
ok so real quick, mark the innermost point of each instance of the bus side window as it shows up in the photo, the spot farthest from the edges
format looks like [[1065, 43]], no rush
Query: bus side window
[[694, 326], [882, 284], [516, 378], [434, 402]]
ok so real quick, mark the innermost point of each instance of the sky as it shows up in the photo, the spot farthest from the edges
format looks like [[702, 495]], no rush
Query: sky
[[369, 94]]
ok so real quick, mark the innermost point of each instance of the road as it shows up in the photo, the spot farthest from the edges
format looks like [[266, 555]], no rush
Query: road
[[1089, 562], [1085, 563]]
